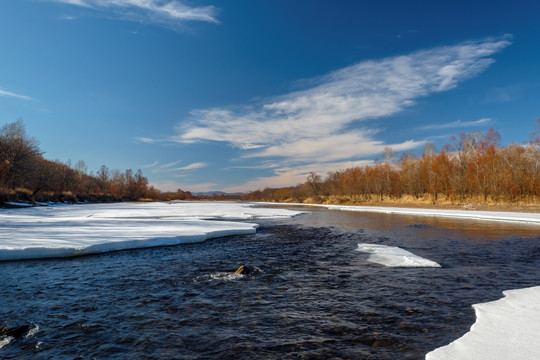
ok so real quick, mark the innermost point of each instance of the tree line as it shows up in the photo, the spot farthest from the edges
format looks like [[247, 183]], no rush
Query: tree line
[[25, 175], [472, 167]]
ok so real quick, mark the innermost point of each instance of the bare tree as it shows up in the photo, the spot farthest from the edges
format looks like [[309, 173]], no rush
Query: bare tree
[[18, 155], [314, 184]]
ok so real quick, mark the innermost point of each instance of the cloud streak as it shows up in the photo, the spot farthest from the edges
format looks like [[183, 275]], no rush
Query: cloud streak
[[297, 122], [197, 165], [458, 124], [164, 12], [171, 166], [5, 93]]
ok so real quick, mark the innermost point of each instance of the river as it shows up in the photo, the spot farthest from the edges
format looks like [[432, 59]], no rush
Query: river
[[309, 293]]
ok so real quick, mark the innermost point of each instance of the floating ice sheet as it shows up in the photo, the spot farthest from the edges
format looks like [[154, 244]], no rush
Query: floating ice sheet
[[72, 230], [508, 328], [394, 256]]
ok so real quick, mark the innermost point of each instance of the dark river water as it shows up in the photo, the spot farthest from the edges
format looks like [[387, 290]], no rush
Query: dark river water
[[309, 294]]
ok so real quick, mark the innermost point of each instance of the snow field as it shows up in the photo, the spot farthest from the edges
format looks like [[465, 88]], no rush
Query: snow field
[[61, 231]]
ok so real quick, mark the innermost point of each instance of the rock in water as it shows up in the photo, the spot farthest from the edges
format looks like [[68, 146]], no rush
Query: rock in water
[[16, 332], [247, 270]]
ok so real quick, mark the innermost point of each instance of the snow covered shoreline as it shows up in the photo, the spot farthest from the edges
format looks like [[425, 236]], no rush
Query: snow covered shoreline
[[503, 216], [516, 217]]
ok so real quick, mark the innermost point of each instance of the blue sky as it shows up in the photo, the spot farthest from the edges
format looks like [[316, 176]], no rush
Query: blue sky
[[244, 94]]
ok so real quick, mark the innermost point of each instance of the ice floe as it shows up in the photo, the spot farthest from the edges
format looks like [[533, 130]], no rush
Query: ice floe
[[394, 256], [60, 231], [508, 328]]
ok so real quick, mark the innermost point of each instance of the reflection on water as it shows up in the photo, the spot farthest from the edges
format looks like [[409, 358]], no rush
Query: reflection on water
[[312, 296], [464, 229]]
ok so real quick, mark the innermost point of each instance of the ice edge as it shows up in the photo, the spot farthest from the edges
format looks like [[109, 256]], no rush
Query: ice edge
[[507, 328]]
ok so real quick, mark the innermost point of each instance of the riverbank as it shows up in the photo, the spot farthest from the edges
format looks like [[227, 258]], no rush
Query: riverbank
[[20, 199], [424, 202], [500, 214], [532, 208]]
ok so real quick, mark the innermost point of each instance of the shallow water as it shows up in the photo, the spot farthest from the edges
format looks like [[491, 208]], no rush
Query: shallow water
[[311, 295]]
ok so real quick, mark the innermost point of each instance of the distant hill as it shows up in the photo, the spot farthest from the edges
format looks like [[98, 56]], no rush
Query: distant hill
[[212, 193]]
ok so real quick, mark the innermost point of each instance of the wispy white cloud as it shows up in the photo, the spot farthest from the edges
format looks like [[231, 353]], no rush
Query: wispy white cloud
[[327, 122], [506, 93], [73, 2], [197, 165], [5, 93], [145, 140], [458, 124], [333, 147], [317, 119], [165, 12], [171, 167], [263, 165], [151, 165], [68, 17], [292, 175]]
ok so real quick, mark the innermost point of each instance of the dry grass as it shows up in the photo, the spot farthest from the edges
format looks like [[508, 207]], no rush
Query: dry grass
[[426, 201]]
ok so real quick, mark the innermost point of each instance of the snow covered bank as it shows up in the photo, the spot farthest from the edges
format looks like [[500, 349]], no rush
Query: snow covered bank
[[394, 257], [528, 218], [508, 328], [72, 230]]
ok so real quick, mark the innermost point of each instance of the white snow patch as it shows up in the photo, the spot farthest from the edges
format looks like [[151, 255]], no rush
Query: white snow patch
[[508, 328], [394, 256], [42, 232]]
